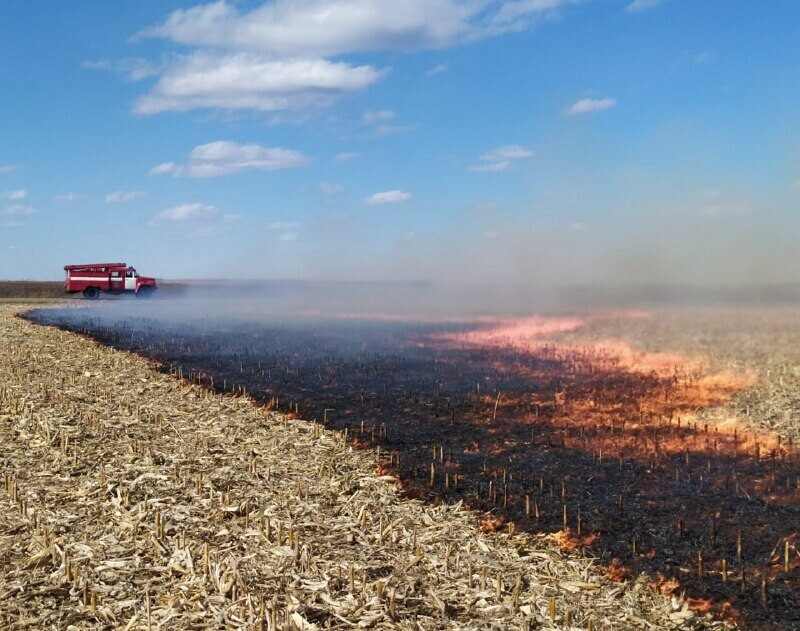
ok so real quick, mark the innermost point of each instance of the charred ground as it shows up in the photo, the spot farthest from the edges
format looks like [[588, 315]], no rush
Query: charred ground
[[569, 438]]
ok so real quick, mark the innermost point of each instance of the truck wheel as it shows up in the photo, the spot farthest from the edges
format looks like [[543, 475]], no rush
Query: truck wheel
[[144, 292], [91, 293]]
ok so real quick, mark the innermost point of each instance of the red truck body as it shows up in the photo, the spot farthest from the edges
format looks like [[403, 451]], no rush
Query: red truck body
[[112, 278]]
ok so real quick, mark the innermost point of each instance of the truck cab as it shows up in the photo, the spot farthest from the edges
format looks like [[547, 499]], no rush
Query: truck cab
[[130, 279]]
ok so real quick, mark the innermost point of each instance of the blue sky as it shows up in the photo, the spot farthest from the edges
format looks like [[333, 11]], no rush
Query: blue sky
[[547, 141]]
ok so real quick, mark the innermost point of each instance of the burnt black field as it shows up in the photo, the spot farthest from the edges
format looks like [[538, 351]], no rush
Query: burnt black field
[[345, 370]]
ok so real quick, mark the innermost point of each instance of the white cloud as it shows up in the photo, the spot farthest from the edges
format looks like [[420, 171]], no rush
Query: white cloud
[[327, 28], [727, 207], [509, 152], [134, 68], [490, 167], [376, 116], [17, 195], [339, 215], [224, 158], [183, 212], [196, 220], [517, 15], [330, 188], [380, 122], [490, 234], [587, 106], [344, 156], [379, 131], [124, 196], [8, 168], [68, 197], [252, 81], [704, 57], [437, 69], [283, 225], [642, 5], [712, 204], [15, 212], [796, 184], [388, 197], [274, 55], [289, 236], [577, 226], [19, 210], [165, 169], [501, 158]]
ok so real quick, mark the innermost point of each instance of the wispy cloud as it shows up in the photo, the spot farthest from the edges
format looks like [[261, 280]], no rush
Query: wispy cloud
[[501, 158], [345, 156], [339, 215], [388, 197], [577, 226], [19, 210], [288, 229], [13, 214], [330, 188], [587, 106], [713, 204], [509, 152], [437, 69], [183, 212], [165, 168], [134, 68], [276, 55], [704, 57], [252, 81], [17, 195], [710, 205], [283, 225], [377, 116], [225, 158], [637, 6], [124, 196], [330, 28], [68, 197], [380, 131], [380, 123], [490, 167], [695, 58], [796, 184], [9, 168]]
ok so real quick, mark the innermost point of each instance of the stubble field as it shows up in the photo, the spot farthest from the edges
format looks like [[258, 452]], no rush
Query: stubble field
[[577, 436], [136, 500]]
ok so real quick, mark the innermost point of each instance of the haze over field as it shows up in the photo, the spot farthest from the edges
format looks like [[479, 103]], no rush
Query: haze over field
[[546, 142]]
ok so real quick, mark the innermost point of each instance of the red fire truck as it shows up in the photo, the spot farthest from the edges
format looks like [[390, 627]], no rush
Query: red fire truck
[[112, 278]]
